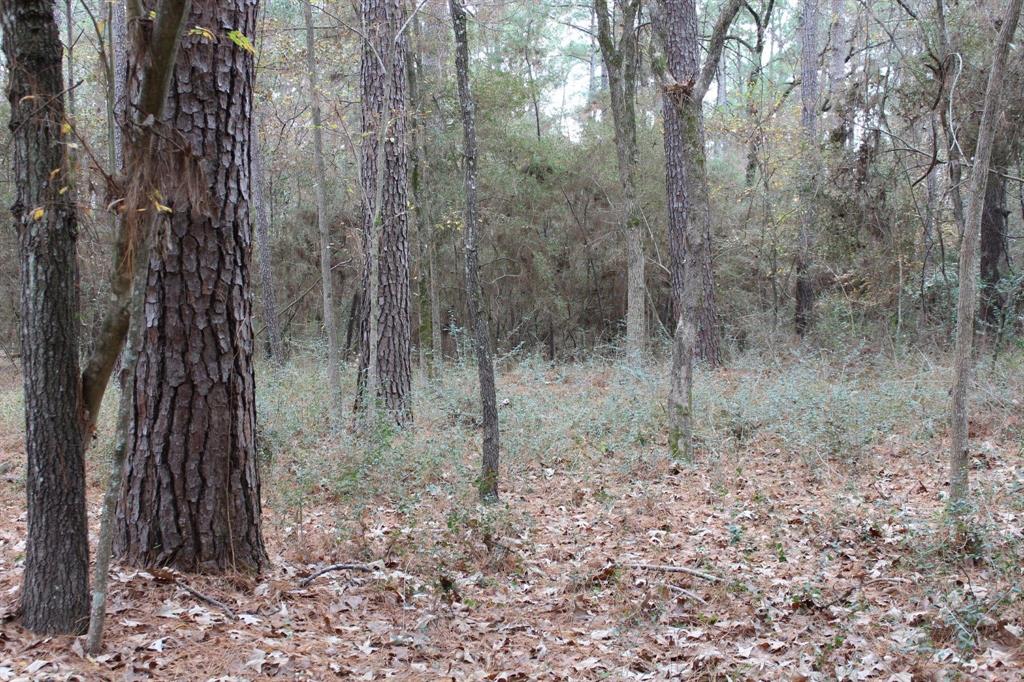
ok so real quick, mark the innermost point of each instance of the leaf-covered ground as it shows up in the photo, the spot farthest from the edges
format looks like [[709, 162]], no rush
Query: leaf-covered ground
[[815, 512]]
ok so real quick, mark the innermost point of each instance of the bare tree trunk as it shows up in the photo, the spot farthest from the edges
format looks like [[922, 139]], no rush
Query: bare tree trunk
[[620, 62], [191, 492], [326, 275], [385, 370], [55, 592], [994, 242], [278, 354], [809, 29], [968, 298], [689, 209], [477, 315]]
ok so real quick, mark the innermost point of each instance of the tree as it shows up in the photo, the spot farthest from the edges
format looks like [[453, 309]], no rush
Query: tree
[[809, 29], [689, 209], [474, 297], [621, 59], [326, 267], [385, 369], [191, 492], [967, 301], [686, 176], [55, 594], [278, 353]]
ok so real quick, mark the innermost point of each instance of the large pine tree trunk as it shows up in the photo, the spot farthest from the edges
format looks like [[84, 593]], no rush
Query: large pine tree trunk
[[55, 596], [474, 297], [191, 492], [384, 177]]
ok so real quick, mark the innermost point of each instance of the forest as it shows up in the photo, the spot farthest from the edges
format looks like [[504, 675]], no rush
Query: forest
[[512, 340]]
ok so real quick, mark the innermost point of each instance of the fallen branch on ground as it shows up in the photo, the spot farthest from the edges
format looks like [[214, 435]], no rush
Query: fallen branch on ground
[[686, 593], [208, 599], [363, 568], [677, 569]]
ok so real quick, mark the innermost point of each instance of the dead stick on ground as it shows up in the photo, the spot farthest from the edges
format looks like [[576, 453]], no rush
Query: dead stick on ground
[[209, 600], [678, 569], [364, 568], [686, 593]]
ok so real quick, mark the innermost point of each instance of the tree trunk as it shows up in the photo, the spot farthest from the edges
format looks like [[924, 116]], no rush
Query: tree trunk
[[385, 320], [488, 483], [326, 275], [278, 354], [809, 134], [994, 241], [55, 593], [620, 63], [968, 296], [191, 494]]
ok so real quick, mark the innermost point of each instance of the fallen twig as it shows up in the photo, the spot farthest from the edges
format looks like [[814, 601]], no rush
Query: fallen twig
[[363, 568], [209, 600], [686, 593], [677, 569]]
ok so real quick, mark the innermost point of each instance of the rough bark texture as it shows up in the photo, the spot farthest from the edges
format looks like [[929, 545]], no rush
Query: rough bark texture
[[474, 296], [191, 494], [55, 596], [620, 64], [968, 296], [326, 276], [809, 28], [385, 228]]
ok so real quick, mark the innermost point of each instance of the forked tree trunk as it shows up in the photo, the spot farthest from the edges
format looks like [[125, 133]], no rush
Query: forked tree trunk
[[620, 64], [959, 457], [385, 320], [191, 494], [326, 267], [689, 209], [477, 315], [809, 29], [55, 593]]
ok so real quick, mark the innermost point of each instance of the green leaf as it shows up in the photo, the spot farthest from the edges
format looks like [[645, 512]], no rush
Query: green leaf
[[240, 39]]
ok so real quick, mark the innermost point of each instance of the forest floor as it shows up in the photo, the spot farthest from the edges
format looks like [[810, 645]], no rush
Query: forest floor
[[815, 509]]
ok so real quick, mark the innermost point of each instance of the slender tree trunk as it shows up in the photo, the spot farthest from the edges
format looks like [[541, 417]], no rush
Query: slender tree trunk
[[191, 494], [968, 297], [994, 243], [385, 371], [326, 275], [276, 340], [809, 29], [477, 315], [620, 61], [55, 592]]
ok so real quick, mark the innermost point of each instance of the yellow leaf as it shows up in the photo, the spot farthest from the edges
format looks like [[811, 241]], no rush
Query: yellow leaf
[[161, 208], [202, 32], [62, 190], [38, 213], [54, 173], [65, 128]]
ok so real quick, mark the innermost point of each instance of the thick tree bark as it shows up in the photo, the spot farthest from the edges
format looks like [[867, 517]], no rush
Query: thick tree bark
[[809, 29], [968, 297], [477, 315], [55, 593], [326, 276], [191, 494], [620, 64], [385, 326]]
